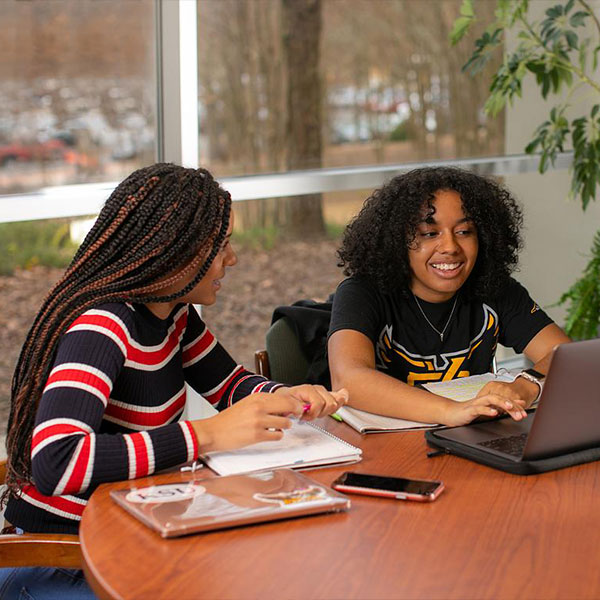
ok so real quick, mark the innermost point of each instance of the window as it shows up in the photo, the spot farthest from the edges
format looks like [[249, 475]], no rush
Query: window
[[372, 81], [77, 90]]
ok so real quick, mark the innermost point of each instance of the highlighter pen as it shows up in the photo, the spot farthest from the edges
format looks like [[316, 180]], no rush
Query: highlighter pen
[[336, 417], [305, 409]]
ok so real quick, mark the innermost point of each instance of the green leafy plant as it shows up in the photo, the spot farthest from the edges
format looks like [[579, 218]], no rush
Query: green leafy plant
[[561, 51], [584, 297]]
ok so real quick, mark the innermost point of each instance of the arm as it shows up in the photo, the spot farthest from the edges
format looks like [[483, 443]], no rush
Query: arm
[[212, 372], [352, 366], [539, 351], [69, 454]]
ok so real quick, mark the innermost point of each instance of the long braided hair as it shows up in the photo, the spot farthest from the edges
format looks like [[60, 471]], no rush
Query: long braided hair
[[160, 224]]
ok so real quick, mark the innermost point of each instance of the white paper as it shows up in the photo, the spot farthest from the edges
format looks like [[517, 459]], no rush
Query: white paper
[[302, 445], [464, 388], [366, 422]]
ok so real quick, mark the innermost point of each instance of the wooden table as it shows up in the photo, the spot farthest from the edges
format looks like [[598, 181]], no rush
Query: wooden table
[[489, 535]]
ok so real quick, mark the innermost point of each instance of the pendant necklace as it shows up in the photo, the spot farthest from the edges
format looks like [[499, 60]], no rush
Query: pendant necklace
[[440, 333]]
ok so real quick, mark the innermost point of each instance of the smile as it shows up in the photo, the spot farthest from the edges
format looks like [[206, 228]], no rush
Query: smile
[[447, 269], [446, 266]]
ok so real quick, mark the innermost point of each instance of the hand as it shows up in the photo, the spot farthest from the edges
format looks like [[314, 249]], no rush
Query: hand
[[520, 392], [321, 401], [485, 404], [255, 418]]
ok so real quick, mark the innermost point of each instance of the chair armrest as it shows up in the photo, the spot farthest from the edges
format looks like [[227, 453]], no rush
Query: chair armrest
[[261, 363], [40, 550]]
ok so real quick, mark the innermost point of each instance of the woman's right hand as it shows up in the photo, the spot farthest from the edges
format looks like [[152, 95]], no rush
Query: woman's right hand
[[488, 405], [256, 418]]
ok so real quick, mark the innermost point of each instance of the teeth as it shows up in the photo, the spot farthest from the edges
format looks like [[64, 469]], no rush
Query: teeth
[[446, 266]]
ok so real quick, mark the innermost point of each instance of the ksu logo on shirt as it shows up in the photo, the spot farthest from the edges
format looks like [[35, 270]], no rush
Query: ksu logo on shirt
[[535, 307], [416, 368]]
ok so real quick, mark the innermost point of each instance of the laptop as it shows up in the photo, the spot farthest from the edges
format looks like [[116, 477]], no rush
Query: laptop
[[565, 421]]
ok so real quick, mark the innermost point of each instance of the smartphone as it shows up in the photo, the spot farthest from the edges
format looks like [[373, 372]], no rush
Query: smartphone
[[388, 487]]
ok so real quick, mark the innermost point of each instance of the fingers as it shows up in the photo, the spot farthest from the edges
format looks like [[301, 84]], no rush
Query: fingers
[[500, 405], [323, 405], [321, 401], [271, 435], [483, 411], [284, 402], [276, 422], [500, 389], [341, 396]]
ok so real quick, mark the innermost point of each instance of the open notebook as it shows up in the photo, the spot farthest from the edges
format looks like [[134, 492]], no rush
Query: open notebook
[[366, 422], [461, 389], [218, 502], [304, 445]]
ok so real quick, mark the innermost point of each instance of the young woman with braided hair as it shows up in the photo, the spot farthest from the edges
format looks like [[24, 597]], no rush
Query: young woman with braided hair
[[100, 382]]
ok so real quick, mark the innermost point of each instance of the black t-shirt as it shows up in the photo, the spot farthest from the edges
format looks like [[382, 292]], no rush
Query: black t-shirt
[[407, 347]]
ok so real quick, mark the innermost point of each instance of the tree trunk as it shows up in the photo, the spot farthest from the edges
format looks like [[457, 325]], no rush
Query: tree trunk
[[302, 23]]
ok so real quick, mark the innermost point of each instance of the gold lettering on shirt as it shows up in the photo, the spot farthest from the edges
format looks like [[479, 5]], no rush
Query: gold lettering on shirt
[[435, 367]]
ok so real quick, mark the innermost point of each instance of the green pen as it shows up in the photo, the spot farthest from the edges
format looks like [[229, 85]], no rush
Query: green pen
[[336, 417]]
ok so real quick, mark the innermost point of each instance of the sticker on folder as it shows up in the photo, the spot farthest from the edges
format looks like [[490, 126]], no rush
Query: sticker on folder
[[301, 496], [171, 492]]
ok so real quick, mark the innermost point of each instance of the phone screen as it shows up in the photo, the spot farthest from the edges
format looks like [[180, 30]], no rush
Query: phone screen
[[393, 484]]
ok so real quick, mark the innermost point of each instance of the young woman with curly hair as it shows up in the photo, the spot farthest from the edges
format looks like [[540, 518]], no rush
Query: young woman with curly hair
[[100, 385], [430, 296]]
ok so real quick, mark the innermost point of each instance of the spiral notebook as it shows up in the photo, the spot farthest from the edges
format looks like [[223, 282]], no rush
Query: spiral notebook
[[303, 446], [209, 503]]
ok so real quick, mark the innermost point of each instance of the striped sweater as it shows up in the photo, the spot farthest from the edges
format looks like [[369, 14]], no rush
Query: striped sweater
[[110, 407]]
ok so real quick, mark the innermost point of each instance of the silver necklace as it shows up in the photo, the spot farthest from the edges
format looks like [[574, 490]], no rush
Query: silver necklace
[[440, 333]]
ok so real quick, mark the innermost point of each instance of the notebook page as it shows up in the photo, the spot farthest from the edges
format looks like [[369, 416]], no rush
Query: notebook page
[[464, 388], [366, 421], [301, 445]]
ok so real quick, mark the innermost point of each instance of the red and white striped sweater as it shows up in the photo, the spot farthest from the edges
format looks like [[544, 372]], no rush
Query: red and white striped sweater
[[111, 405]]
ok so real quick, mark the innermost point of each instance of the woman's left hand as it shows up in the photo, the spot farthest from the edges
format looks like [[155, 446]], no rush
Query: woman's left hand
[[521, 393], [321, 401]]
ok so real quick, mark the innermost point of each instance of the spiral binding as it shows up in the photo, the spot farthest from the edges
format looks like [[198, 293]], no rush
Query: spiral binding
[[335, 437]]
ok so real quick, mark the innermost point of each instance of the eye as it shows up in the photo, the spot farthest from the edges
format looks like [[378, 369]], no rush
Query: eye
[[428, 234], [465, 232]]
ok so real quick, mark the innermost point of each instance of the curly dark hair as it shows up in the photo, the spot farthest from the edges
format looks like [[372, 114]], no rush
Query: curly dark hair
[[375, 245]]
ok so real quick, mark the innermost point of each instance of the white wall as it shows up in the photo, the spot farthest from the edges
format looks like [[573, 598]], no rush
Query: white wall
[[558, 234]]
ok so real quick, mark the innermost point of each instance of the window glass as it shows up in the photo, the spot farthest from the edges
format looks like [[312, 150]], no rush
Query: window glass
[[32, 258], [348, 82], [77, 91], [77, 105]]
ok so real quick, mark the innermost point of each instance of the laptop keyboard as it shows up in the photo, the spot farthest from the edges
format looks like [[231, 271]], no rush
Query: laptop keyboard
[[512, 445]]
